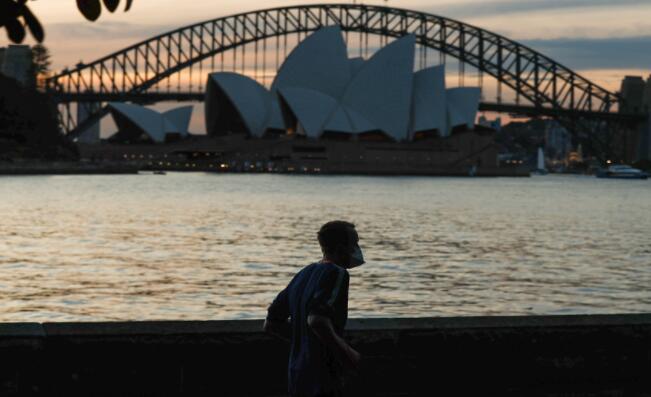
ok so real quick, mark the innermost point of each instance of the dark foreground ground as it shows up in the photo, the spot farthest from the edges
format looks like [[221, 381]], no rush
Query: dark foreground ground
[[604, 355]]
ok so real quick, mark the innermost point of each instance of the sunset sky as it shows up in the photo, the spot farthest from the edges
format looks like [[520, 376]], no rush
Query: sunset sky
[[602, 39]]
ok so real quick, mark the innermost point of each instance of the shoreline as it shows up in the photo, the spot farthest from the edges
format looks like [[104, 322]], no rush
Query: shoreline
[[117, 168], [66, 168]]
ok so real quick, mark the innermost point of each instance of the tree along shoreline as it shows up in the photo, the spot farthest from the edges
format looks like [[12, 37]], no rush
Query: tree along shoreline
[[28, 126]]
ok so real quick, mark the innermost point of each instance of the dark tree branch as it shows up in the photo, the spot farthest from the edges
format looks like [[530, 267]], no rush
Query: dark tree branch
[[15, 15]]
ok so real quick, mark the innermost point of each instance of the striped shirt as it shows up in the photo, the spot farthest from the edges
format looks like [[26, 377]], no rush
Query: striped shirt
[[319, 288]]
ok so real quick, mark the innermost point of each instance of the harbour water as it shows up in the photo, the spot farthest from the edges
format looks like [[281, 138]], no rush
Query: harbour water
[[219, 246]]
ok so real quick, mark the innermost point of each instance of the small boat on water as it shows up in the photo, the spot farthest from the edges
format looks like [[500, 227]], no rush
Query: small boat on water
[[621, 171]]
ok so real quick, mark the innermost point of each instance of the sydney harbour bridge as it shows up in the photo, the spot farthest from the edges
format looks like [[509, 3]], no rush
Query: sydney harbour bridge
[[173, 66]]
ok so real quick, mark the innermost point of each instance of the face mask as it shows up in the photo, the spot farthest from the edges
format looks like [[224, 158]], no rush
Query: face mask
[[356, 257]]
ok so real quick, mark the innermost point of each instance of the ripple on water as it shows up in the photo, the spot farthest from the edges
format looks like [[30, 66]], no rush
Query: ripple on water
[[198, 246]]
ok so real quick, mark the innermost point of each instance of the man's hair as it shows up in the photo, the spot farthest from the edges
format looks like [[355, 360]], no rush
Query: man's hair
[[335, 233]]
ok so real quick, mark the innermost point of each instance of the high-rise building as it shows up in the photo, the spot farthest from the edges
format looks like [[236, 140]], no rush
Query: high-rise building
[[646, 97], [16, 62], [636, 98], [632, 92]]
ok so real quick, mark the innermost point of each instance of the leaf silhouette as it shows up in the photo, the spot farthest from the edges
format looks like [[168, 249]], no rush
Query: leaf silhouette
[[15, 31], [128, 6], [8, 11], [111, 5], [33, 24], [90, 9]]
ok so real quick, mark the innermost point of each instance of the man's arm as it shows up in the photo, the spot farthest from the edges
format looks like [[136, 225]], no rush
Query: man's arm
[[276, 322], [322, 327], [281, 329]]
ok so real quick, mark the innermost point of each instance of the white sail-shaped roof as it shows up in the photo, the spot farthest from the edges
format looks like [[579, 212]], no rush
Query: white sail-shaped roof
[[275, 117], [310, 107], [148, 121], [355, 65], [349, 121], [179, 118], [463, 103], [381, 90], [319, 62], [318, 88], [359, 122], [250, 99], [339, 122], [429, 103]]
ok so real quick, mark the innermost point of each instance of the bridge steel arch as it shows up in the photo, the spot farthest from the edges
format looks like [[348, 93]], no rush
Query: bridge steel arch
[[134, 70]]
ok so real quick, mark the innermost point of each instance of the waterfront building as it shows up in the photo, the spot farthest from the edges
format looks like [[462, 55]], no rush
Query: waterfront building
[[138, 124], [16, 62], [320, 92], [323, 113]]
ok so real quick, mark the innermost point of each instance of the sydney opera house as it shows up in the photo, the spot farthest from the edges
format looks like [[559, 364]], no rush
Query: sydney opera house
[[324, 112], [319, 91]]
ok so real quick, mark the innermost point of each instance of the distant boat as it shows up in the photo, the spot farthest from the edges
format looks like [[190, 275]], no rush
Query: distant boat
[[540, 166], [622, 171], [160, 172]]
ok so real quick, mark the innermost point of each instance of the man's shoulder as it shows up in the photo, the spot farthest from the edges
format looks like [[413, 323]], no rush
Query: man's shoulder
[[308, 268], [330, 270], [305, 271]]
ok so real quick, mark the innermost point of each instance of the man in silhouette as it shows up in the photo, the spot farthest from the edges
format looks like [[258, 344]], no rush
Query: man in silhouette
[[316, 303]]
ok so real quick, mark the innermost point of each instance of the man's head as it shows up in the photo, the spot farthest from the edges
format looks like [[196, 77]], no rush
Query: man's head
[[339, 243]]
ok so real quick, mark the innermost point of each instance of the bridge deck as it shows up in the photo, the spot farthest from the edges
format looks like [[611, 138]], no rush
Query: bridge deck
[[525, 110]]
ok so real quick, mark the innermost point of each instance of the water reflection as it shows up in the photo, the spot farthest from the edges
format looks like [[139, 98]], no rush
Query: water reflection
[[198, 246]]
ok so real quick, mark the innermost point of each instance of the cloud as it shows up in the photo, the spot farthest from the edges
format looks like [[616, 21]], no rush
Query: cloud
[[602, 53], [107, 30], [70, 42], [73, 42], [501, 7]]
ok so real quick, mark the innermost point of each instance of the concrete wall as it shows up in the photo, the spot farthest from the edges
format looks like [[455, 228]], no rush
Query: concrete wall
[[540, 356]]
